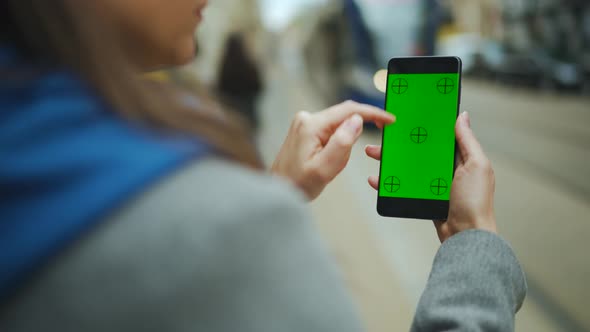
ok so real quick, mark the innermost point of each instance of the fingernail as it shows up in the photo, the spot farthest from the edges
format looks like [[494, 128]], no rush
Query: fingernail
[[466, 119], [354, 124]]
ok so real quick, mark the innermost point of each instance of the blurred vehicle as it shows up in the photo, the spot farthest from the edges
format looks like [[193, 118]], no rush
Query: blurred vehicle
[[393, 28], [543, 43], [356, 39]]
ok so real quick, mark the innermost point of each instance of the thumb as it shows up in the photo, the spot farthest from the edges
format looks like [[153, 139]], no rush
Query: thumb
[[469, 147], [335, 155]]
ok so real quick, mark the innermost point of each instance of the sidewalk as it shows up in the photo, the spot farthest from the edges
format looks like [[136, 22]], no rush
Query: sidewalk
[[538, 145]]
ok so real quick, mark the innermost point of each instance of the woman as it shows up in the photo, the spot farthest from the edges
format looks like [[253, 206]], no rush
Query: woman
[[128, 206]]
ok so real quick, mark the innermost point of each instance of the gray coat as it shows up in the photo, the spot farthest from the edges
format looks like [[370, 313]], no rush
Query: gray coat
[[220, 248]]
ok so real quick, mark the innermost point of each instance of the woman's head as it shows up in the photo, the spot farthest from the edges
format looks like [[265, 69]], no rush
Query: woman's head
[[108, 42], [152, 33]]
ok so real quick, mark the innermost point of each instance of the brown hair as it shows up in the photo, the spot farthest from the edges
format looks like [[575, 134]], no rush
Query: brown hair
[[63, 33]]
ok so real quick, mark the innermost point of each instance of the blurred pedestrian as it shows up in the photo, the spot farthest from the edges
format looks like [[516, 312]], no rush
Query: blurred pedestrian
[[127, 206], [240, 81]]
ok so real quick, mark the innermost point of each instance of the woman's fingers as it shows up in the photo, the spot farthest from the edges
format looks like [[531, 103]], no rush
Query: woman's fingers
[[374, 182], [469, 147], [441, 229], [335, 115], [332, 159], [373, 151]]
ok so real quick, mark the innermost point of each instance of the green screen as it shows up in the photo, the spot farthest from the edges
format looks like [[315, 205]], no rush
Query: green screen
[[419, 148]]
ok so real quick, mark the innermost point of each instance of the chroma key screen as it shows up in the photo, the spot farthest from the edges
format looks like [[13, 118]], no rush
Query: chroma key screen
[[419, 149]]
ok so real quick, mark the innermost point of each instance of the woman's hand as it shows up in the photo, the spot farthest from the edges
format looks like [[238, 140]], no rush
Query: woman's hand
[[472, 193], [318, 145]]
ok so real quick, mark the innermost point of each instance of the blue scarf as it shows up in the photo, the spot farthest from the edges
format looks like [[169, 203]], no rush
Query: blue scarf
[[66, 163]]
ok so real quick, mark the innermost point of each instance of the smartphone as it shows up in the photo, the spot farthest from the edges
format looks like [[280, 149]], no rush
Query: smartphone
[[418, 150]]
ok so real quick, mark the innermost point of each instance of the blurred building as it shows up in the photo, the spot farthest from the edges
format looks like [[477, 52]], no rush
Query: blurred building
[[481, 17]]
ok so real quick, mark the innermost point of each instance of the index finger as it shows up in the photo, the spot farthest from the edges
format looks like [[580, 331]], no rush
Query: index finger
[[335, 115]]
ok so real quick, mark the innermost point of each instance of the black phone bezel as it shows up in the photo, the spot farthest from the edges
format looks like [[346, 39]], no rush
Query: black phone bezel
[[412, 208]]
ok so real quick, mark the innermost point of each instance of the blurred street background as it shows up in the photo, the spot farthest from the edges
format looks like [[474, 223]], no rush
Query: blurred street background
[[526, 85]]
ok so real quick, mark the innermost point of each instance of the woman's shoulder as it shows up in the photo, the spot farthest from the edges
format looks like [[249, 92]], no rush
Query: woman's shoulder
[[215, 188], [187, 230], [205, 205], [207, 202]]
